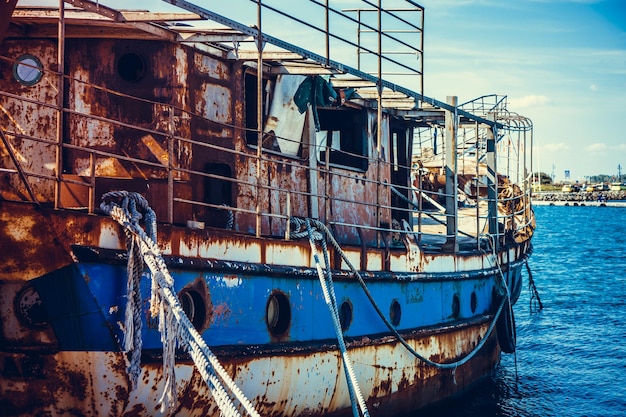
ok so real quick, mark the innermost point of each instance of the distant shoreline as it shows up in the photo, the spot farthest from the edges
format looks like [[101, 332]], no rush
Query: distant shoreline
[[578, 197], [593, 199], [561, 203]]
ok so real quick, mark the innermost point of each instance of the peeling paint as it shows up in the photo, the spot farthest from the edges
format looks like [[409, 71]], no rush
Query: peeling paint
[[174, 120]]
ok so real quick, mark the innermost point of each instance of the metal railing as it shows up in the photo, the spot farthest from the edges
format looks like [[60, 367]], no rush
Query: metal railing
[[171, 169]]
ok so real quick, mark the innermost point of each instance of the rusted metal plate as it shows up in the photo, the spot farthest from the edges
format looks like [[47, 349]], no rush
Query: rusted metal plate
[[168, 120], [287, 384], [30, 127]]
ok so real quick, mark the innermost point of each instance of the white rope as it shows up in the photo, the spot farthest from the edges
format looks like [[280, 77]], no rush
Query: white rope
[[331, 302], [173, 322], [323, 230]]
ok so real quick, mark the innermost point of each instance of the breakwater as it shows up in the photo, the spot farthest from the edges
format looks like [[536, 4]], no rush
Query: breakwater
[[579, 197]]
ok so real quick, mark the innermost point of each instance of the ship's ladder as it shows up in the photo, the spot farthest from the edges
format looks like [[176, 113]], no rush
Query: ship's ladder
[[128, 208]]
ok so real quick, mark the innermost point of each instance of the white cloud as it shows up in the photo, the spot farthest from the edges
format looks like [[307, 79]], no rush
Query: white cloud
[[529, 101], [596, 147], [593, 87], [553, 147]]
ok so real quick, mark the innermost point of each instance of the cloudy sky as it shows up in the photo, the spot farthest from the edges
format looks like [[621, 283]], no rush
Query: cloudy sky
[[561, 63]]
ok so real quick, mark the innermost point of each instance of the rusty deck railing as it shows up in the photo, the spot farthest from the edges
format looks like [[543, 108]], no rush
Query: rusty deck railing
[[80, 186]]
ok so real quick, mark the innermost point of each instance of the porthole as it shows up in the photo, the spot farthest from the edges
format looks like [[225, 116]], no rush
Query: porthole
[[194, 307], [395, 312], [473, 302], [131, 67], [278, 313], [345, 315], [456, 306], [29, 308], [27, 70]]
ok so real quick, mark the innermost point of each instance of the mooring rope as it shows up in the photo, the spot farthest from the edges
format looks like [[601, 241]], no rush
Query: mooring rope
[[128, 208], [326, 281], [507, 299], [534, 294], [323, 230]]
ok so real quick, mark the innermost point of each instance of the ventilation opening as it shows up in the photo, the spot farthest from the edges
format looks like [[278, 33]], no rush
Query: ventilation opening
[[131, 67], [278, 314]]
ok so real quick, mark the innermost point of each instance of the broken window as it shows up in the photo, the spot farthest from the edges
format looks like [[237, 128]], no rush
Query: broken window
[[250, 100], [218, 192], [283, 123], [343, 133]]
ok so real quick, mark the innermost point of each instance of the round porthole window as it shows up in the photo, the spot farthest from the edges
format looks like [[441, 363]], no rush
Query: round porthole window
[[345, 315], [194, 307], [473, 302], [278, 314], [131, 67], [27, 70], [29, 307], [456, 306], [395, 312]]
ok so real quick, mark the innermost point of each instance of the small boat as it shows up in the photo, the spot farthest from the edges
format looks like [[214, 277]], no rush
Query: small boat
[[201, 217]]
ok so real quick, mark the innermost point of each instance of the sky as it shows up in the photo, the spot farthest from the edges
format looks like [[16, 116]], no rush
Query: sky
[[562, 63]]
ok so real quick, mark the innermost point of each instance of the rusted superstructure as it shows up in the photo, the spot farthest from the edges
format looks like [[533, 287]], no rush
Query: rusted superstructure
[[238, 139]]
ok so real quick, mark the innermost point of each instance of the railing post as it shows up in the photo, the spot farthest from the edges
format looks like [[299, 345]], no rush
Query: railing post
[[170, 165], [477, 184], [452, 226], [60, 104], [259, 144], [420, 205], [92, 182], [492, 185]]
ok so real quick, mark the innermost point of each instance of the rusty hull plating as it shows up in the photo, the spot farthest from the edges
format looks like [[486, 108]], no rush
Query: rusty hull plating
[[231, 133]]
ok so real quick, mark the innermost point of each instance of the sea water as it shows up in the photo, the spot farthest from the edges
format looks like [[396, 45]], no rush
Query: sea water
[[571, 355]]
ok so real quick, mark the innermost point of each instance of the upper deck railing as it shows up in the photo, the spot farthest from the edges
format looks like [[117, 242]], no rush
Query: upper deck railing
[[471, 148]]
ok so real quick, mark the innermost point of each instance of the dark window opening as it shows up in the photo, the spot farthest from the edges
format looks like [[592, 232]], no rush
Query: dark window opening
[[250, 99], [218, 191], [344, 134], [400, 172]]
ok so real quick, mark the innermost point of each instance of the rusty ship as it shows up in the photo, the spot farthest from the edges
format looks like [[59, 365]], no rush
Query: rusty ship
[[206, 212]]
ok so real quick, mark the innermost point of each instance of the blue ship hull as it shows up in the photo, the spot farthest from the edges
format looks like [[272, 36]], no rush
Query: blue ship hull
[[69, 321], [214, 221]]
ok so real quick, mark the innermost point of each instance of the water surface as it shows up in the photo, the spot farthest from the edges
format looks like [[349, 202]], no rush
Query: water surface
[[571, 356]]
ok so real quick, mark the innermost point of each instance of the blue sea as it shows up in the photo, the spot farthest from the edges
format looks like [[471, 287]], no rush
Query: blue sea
[[571, 355]]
